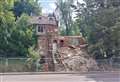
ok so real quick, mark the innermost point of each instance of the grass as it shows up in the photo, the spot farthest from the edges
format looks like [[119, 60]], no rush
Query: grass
[[13, 65], [12, 61]]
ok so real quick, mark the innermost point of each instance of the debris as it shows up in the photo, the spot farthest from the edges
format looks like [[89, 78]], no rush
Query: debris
[[76, 60]]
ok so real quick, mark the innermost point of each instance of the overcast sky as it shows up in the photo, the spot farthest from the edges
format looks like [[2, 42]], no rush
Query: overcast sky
[[48, 6]]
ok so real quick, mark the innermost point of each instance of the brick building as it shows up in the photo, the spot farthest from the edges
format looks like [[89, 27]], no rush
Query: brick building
[[49, 39]]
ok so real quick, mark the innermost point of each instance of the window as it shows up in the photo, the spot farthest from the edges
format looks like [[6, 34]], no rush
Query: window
[[50, 19], [40, 18], [41, 28]]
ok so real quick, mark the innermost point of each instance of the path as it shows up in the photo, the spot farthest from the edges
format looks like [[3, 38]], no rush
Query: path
[[91, 77]]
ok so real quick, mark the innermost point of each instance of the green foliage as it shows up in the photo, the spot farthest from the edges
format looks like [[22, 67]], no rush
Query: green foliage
[[33, 59], [6, 26], [34, 54], [23, 36], [67, 25], [30, 7], [16, 36], [99, 24]]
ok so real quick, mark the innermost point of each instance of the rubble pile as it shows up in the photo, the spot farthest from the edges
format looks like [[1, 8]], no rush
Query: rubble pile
[[75, 59]]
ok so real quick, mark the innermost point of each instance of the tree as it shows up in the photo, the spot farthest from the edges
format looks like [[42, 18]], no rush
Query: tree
[[98, 20], [30, 7], [65, 11], [16, 36], [23, 37], [6, 24]]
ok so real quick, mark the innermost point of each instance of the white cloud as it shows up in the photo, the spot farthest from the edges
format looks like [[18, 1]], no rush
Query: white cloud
[[49, 9], [52, 6], [46, 11]]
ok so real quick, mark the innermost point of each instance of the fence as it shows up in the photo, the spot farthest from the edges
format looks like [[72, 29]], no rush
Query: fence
[[16, 65], [23, 65]]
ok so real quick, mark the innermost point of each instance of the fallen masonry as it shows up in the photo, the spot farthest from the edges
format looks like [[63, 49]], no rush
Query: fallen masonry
[[75, 60]]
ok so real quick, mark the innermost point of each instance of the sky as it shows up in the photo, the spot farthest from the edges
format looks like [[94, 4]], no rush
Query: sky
[[48, 6]]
